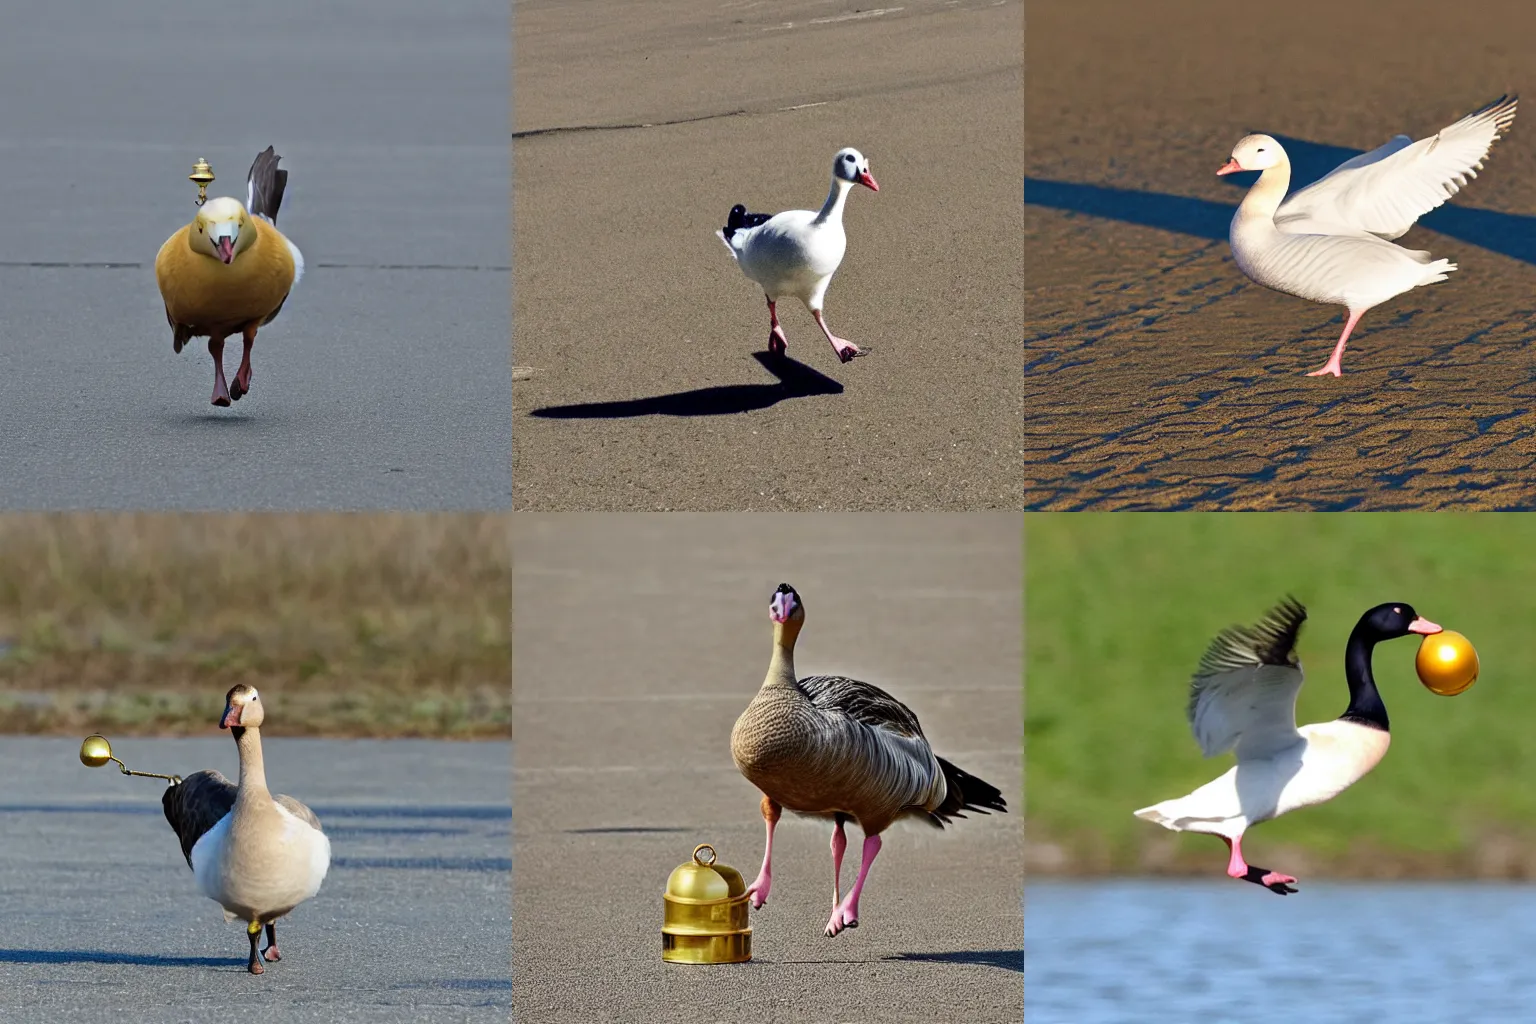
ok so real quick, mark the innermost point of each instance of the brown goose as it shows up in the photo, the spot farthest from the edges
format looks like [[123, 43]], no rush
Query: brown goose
[[833, 747], [256, 855]]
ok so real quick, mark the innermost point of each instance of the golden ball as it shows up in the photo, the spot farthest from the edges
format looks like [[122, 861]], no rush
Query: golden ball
[[1446, 663]]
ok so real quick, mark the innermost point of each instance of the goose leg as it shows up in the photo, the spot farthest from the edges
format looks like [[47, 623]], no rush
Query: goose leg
[[254, 931], [220, 388], [839, 844], [242, 384], [271, 953], [758, 890], [846, 913], [1333, 365], [845, 349], [1237, 868], [777, 343]]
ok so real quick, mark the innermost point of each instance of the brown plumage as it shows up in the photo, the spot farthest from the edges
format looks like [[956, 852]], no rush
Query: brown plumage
[[830, 746]]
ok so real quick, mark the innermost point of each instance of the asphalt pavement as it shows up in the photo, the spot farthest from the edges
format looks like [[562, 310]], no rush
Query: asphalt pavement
[[385, 382], [638, 641], [100, 918]]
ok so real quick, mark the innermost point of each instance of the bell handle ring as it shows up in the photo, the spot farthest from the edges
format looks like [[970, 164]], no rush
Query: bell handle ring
[[95, 751], [699, 860]]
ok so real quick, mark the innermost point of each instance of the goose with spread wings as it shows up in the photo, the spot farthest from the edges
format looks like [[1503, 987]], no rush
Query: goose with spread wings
[[1243, 699]]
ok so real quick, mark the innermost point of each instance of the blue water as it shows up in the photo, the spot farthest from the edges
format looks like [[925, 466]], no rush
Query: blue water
[[1133, 951]]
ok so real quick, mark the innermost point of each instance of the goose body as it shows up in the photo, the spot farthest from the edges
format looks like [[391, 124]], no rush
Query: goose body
[[1331, 241], [1243, 699], [795, 253], [257, 855], [834, 747], [229, 272]]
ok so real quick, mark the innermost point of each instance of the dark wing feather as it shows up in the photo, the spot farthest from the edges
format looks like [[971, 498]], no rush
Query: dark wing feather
[[862, 702], [265, 185], [741, 219], [965, 792], [195, 804]]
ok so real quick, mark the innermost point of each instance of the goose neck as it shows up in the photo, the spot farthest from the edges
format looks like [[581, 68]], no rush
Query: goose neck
[[1266, 195], [253, 772], [832, 209], [1365, 703], [781, 666]]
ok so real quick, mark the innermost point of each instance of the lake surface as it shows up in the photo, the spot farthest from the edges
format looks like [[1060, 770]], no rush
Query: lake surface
[[1128, 951]]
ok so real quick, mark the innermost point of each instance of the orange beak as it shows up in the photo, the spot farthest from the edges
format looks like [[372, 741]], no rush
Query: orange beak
[[1230, 167], [231, 716]]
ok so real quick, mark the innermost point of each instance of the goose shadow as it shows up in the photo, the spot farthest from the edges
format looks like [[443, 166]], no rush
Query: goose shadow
[[96, 956], [1006, 959], [795, 380], [1509, 234]]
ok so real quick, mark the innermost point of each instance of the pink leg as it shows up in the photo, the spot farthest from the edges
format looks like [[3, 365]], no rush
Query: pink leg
[[220, 388], [271, 953], [845, 349], [839, 844], [1333, 365], [242, 384], [846, 914], [758, 890], [777, 343], [1238, 868]]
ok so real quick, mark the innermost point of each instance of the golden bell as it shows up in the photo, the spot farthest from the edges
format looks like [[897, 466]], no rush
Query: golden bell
[[95, 751], [202, 177], [705, 918], [1446, 663]]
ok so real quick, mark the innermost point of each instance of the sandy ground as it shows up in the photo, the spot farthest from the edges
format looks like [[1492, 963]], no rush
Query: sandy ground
[[100, 919], [384, 383], [1157, 375], [641, 125], [638, 641]]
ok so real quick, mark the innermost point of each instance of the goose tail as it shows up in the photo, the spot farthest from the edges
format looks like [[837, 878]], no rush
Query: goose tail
[[965, 792], [264, 186]]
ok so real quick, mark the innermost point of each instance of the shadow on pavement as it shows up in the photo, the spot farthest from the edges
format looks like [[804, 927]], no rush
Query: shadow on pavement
[[1008, 959], [796, 380], [95, 956]]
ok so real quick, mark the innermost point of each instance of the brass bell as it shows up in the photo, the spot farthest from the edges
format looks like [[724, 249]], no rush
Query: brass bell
[[706, 913], [202, 176], [1446, 663], [95, 751]]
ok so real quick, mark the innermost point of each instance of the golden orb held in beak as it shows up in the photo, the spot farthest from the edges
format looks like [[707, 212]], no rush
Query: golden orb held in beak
[[1446, 663]]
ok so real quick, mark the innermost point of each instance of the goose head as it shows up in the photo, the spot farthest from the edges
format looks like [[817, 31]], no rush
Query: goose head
[[222, 229], [1253, 153], [242, 708], [1390, 621], [849, 165], [787, 613]]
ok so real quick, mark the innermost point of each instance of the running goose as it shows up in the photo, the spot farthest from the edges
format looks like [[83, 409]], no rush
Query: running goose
[[796, 252], [1243, 698], [833, 747], [256, 855], [1330, 242], [230, 271]]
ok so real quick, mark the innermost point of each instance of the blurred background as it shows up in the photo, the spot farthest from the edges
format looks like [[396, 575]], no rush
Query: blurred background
[[1119, 609]]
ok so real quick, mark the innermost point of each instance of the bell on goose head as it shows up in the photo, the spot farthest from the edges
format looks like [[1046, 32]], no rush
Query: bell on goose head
[[1446, 663], [706, 913]]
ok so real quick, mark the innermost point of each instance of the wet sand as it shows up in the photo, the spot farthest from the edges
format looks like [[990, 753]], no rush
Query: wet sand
[[637, 338], [1157, 374]]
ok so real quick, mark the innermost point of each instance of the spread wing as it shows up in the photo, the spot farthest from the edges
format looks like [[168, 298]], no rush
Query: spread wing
[[1385, 191], [195, 804], [1243, 696]]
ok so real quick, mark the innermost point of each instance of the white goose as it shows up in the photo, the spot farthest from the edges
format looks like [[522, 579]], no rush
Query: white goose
[[796, 252], [1243, 698], [1329, 242], [256, 855]]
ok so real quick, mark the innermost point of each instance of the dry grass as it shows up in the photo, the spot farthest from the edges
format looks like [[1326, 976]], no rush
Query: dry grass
[[350, 624]]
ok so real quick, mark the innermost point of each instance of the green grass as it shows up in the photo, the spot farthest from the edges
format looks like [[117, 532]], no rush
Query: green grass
[[1120, 607]]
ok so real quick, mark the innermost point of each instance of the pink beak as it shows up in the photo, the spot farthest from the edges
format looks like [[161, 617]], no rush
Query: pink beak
[[226, 249], [1424, 626], [778, 608], [231, 717], [867, 181], [1230, 167]]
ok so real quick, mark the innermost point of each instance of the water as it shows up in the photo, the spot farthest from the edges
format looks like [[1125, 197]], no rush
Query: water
[[1134, 951]]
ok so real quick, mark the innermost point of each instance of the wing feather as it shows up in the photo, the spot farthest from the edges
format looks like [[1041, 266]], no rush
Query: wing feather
[[1243, 695]]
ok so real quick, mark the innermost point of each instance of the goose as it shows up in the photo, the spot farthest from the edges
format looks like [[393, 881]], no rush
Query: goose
[[1331, 241], [229, 271], [833, 747], [796, 252], [256, 855], [1243, 698]]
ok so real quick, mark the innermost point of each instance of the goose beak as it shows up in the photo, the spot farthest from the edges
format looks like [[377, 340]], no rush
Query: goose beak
[[778, 608], [1424, 626], [225, 247], [867, 181], [1230, 167], [231, 716]]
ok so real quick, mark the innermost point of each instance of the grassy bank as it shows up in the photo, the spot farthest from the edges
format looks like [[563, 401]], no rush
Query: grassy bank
[[351, 625], [1119, 609]]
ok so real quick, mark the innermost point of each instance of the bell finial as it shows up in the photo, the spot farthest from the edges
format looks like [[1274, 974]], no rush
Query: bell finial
[[202, 175]]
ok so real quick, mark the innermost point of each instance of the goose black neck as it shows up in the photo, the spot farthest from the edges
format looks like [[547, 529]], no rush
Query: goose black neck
[[1365, 704]]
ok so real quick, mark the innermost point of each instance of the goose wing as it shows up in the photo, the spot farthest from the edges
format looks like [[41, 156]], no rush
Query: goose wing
[[298, 810], [882, 738], [195, 804], [1385, 191], [1243, 695], [264, 186]]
